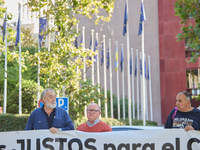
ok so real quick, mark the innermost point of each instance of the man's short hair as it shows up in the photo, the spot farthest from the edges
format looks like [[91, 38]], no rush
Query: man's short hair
[[188, 96], [95, 104], [45, 91]]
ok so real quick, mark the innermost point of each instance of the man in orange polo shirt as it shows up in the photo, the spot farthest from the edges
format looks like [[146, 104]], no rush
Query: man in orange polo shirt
[[94, 124]]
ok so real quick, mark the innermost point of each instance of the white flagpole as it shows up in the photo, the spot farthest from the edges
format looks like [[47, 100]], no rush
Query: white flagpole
[[77, 44], [123, 90], [118, 98], [128, 70], [138, 99], [84, 67], [150, 94], [143, 76], [146, 88], [49, 38], [92, 48], [98, 77], [83, 46], [133, 95], [38, 79], [5, 73], [105, 83], [111, 93], [20, 84], [141, 87]]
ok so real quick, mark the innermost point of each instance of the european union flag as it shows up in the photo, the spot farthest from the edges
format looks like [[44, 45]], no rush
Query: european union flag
[[108, 60], [42, 28], [145, 72], [135, 66], [142, 18], [95, 48], [121, 62], [125, 20], [102, 55], [4, 26], [17, 36], [116, 59]]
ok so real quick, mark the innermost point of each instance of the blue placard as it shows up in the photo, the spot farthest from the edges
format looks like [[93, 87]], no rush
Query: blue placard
[[60, 102]]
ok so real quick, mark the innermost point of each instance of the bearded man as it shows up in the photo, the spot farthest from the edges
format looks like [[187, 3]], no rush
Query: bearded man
[[49, 116]]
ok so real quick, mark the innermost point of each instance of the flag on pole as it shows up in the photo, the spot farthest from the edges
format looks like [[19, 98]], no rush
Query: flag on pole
[[81, 40], [135, 66], [130, 65], [121, 62], [125, 20], [116, 59], [18, 34], [102, 56], [42, 29], [108, 61], [90, 47], [95, 48], [142, 18], [4, 26]]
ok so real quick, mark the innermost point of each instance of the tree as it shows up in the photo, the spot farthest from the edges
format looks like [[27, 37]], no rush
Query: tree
[[59, 65], [189, 10]]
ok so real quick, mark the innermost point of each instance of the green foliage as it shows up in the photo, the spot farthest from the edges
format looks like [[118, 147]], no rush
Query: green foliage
[[82, 97], [10, 122], [29, 98], [189, 10]]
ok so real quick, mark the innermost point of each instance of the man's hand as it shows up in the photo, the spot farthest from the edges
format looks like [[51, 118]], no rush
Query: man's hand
[[188, 128], [54, 130]]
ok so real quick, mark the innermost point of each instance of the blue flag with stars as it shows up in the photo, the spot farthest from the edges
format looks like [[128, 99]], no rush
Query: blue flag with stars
[[125, 20], [142, 18], [135, 66], [18, 34]]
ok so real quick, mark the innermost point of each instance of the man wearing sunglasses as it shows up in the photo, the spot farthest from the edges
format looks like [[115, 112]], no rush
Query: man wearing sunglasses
[[94, 124]]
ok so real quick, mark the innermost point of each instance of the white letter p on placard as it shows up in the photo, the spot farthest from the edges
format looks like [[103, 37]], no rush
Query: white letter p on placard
[[60, 102]]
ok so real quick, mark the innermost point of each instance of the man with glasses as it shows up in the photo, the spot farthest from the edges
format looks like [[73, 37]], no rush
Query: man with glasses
[[94, 124], [49, 116], [184, 115]]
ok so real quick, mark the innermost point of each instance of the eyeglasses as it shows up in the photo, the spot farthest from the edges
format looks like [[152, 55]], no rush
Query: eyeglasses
[[92, 111]]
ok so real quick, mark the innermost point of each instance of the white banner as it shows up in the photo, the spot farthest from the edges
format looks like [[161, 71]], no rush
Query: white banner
[[161, 139]]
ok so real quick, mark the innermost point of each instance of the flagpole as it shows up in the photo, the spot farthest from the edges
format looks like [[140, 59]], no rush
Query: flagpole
[[150, 93], [118, 98], [5, 73], [92, 48], [83, 46], [143, 77], [20, 84], [38, 79], [47, 29], [111, 92], [146, 87], [105, 83], [128, 70], [84, 66], [133, 90], [77, 44], [141, 85], [98, 77], [138, 99], [123, 90]]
